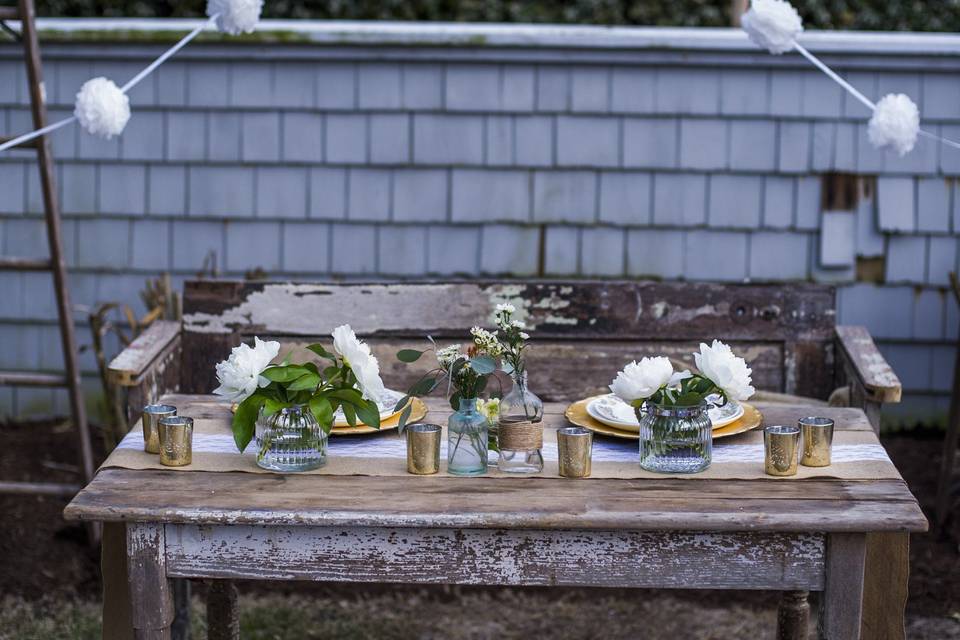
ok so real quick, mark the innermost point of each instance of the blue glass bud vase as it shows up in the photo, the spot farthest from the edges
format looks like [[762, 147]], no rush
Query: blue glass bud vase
[[467, 440], [675, 439]]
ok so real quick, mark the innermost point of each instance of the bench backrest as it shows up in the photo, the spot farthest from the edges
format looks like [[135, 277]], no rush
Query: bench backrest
[[584, 331]]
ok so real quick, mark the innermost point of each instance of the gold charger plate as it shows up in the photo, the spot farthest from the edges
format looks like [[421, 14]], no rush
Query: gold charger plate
[[419, 412], [577, 414]]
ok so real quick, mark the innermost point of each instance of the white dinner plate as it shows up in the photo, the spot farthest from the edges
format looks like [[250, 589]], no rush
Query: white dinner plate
[[614, 412]]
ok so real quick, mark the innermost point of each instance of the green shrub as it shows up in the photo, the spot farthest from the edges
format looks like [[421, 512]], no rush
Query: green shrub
[[885, 15]]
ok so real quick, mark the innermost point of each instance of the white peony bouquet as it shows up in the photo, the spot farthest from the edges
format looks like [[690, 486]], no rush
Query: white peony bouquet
[[654, 379], [351, 380]]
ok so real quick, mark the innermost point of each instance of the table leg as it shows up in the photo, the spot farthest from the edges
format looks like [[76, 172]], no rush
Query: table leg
[[841, 604], [116, 594], [223, 613], [793, 616], [151, 594], [180, 629], [886, 580]]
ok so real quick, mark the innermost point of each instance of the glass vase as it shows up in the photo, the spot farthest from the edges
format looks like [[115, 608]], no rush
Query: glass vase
[[675, 439], [519, 457], [290, 440], [467, 440], [520, 403]]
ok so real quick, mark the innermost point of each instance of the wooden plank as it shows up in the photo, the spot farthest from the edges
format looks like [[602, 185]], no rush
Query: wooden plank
[[9, 263], [551, 503], [841, 604], [151, 595], [223, 611], [574, 309], [675, 559], [886, 578], [39, 488], [131, 363], [868, 364], [32, 379]]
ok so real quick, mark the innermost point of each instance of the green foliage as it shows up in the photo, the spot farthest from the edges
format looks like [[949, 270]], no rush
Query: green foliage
[[884, 15]]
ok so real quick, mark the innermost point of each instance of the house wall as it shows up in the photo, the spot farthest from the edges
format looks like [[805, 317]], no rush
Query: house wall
[[322, 150]]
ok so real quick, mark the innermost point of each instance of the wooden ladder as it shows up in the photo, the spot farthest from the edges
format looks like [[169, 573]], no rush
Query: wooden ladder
[[70, 378]]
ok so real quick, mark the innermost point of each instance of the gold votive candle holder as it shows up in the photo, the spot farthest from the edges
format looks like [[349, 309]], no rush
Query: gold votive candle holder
[[781, 448], [817, 434], [150, 419], [575, 447], [423, 448], [176, 441]]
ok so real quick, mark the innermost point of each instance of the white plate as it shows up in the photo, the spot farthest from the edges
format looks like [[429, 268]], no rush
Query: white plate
[[386, 404], [614, 412]]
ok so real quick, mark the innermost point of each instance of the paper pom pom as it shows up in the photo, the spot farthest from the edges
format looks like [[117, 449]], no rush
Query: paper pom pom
[[895, 123], [102, 109], [235, 16], [772, 24]]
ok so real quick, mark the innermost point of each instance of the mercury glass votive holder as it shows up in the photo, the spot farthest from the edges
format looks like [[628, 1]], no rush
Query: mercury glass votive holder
[[817, 434], [575, 448], [150, 419], [423, 449], [780, 448], [176, 441]]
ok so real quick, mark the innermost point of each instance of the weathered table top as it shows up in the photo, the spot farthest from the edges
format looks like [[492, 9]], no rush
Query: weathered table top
[[822, 505]]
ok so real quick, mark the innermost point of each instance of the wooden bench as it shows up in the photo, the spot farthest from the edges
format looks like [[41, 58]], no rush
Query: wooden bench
[[584, 332]]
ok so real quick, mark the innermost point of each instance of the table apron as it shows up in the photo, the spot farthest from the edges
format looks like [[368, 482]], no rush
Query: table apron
[[602, 558]]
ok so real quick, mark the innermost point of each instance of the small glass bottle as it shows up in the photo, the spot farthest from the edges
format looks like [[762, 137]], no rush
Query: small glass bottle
[[521, 403], [520, 411], [467, 440]]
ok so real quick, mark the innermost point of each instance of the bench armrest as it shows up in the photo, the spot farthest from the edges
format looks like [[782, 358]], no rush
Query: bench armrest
[[148, 368], [870, 378]]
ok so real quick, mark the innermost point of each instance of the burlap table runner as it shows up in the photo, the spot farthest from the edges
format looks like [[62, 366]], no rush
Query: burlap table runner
[[857, 455]]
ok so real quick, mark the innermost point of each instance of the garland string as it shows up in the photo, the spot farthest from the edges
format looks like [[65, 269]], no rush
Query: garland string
[[129, 85]]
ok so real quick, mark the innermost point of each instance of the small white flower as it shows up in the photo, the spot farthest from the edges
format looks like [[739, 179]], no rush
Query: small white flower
[[101, 108], [505, 307], [487, 342], [729, 372], [639, 381], [358, 357], [448, 355], [518, 324], [895, 123], [489, 409], [524, 335], [239, 375], [772, 24], [235, 16]]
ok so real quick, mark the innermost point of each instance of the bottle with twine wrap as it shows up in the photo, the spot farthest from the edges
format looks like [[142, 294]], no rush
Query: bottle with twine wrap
[[521, 445]]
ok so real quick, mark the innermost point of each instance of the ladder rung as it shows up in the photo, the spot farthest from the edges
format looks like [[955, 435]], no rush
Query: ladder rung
[[29, 143], [9, 13], [31, 379], [25, 264], [39, 488]]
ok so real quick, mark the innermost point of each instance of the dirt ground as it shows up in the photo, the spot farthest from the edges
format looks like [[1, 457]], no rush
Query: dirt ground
[[48, 575]]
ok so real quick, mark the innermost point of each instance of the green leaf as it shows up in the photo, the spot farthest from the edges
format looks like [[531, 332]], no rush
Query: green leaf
[[455, 401], [351, 415], [400, 403], [409, 355], [284, 374], [369, 413], [323, 412], [271, 406], [404, 416], [689, 400], [483, 365], [320, 351], [245, 421], [423, 386], [306, 382]]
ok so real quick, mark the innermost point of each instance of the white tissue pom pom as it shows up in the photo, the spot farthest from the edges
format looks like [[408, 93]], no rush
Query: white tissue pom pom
[[895, 123], [772, 24], [235, 16], [102, 109]]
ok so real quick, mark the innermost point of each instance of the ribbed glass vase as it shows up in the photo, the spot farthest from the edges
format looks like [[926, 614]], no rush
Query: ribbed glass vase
[[290, 440], [675, 439]]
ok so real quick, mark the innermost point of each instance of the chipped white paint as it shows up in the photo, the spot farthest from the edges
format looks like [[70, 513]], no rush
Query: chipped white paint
[[499, 557], [509, 294], [555, 319]]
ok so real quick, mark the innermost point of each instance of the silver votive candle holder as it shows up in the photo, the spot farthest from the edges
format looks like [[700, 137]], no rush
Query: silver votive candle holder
[[176, 441], [423, 448], [152, 414], [817, 435], [575, 447], [780, 450]]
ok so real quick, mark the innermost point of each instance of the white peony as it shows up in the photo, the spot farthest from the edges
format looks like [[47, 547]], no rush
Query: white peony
[[640, 380], [101, 108], [357, 355], [239, 375], [725, 370], [772, 24], [895, 123], [235, 16]]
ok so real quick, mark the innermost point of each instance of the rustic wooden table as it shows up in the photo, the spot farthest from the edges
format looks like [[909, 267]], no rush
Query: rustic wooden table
[[824, 535]]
